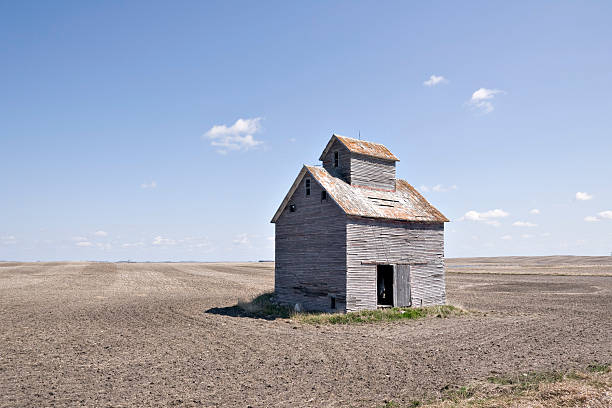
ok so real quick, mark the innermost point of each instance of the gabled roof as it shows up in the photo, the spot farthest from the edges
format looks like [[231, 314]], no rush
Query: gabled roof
[[403, 204], [360, 147]]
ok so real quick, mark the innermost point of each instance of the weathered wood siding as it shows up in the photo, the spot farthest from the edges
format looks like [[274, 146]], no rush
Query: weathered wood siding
[[372, 172], [310, 250], [343, 171], [401, 292], [418, 244]]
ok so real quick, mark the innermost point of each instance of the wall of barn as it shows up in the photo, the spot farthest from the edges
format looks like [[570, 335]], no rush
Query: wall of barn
[[419, 244], [310, 250], [343, 171], [372, 172]]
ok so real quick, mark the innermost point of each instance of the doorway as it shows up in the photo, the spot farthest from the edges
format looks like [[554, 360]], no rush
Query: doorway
[[384, 285]]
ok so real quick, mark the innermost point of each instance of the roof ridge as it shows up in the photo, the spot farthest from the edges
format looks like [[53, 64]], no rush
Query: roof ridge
[[361, 147], [358, 140]]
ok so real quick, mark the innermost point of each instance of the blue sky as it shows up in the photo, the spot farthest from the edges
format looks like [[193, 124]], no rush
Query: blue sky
[[119, 136]]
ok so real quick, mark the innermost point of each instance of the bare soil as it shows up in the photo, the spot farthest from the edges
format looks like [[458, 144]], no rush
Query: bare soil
[[147, 334], [534, 265]]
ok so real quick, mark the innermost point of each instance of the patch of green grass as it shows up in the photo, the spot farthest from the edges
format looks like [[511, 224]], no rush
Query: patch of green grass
[[598, 368], [527, 381], [455, 393], [500, 380], [573, 375], [551, 388], [532, 380], [264, 306], [379, 315]]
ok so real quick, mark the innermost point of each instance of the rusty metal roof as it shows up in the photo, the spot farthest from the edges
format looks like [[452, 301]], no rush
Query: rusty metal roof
[[361, 147], [403, 204]]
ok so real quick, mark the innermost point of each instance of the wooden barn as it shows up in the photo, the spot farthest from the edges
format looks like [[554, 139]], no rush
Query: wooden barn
[[351, 236]]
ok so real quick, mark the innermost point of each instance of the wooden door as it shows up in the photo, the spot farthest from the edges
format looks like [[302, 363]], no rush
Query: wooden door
[[401, 286]]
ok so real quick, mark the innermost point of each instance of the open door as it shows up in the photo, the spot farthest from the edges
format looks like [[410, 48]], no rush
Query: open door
[[384, 285], [401, 285]]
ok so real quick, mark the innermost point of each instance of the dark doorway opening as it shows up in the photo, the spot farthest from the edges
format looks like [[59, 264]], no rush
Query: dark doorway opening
[[384, 285]]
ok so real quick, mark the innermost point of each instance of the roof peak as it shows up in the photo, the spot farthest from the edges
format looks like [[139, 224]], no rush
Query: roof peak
[[345, 137], [362, 147]]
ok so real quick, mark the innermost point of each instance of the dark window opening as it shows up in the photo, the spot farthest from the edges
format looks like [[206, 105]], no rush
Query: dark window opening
[[333, 302], [336, 159], [384, 285], [307, 187], [292, 207], [323, 195]]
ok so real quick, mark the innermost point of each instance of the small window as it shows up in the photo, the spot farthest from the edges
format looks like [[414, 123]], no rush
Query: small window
[[336, 159], [323, 195], [333, 302], [307, 185], [292, 207]]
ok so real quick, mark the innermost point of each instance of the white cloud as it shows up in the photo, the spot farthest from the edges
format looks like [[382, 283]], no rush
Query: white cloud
[[534, 211], [590, 218], [482, 99], [507, 237], [238, 136], [583, 196], [100, 233], [488, 217], [524, 224], [159, 240], [526, 236], [188, 243], [104, 246], [79, 239], [242, 239], [292, 139], [545, 234], [435, 80], [133, 244], [152, 184], [83, 244], [193, 243], [606, 214], [8, 239], [441, 189]]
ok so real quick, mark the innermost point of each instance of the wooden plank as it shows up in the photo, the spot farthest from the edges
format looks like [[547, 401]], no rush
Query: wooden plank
[[401, 286], [372, 172], [394, 262]]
